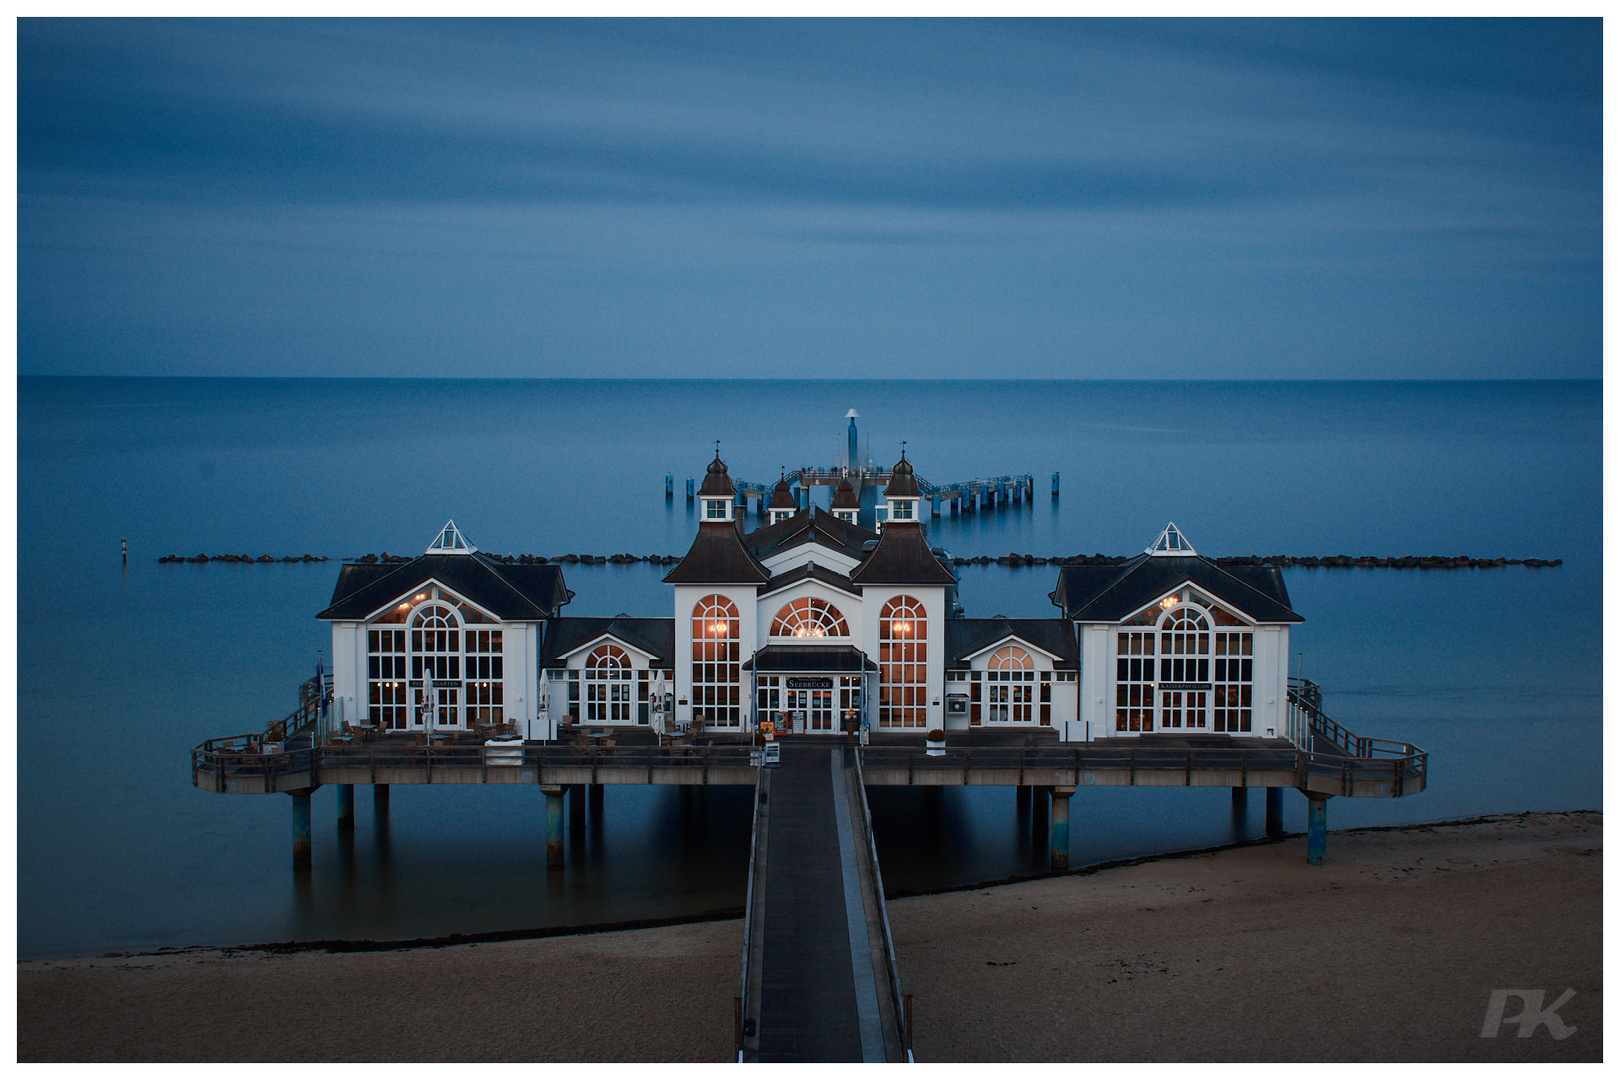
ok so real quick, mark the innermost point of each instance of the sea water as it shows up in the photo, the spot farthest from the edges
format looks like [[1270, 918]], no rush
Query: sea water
[[123, 669]]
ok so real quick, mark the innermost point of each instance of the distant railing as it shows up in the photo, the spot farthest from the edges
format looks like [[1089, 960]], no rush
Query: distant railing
[[307, 715], [244, 755]]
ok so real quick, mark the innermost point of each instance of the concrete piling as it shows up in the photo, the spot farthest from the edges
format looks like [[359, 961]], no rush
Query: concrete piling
[[1316, 830], [554, 824], [689, 489], [1054, 485], [300, 828], [345, 817], [1274, 811], [669, 486], [379, 792], [1060, 827]]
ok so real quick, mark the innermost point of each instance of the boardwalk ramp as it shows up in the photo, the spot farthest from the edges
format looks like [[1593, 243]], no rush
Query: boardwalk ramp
[[819, 981]]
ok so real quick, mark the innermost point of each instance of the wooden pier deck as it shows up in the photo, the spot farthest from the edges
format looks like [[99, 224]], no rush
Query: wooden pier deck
[[819, 981]]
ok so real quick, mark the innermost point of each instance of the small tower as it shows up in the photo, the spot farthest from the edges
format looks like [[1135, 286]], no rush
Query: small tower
[[846, 504], [783, 504], [902, 493], [450, 541], [854, 442], [718, 494]]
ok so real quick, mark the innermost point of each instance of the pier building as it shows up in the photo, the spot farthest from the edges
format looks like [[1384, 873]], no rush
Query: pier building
[[1171, 642], [446, 641]]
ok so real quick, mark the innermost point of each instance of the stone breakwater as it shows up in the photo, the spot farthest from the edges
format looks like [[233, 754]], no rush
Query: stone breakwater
[[204, 558], [1399, 562]]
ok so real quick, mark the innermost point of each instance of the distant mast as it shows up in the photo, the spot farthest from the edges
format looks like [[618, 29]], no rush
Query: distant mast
[[854, 442]]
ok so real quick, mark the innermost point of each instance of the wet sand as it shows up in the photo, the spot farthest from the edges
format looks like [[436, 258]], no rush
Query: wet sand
[[1389, 952]]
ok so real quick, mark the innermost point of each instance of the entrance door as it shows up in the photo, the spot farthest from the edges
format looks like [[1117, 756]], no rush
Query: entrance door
[[821, 710], [449, 707]]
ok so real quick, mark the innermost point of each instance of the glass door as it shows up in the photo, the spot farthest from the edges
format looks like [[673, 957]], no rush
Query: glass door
[[821, 710]]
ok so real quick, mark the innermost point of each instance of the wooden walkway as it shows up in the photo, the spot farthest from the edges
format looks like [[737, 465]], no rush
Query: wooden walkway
[[818, 975]]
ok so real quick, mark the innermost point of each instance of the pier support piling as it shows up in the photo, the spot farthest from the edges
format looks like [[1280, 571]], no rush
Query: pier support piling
[[1316, 833], [669, 486], [379, 792], [1274, 811], [1060, 827], [1054, 485], [300, 828], [554, 820], [345, 793], [1240, 796]]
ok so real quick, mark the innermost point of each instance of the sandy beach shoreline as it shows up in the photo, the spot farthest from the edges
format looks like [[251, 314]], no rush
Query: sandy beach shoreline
[[1391, 951]]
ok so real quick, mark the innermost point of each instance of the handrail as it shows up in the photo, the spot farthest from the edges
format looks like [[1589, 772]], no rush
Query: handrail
[[234, 750], [748, 906], [896, 989]]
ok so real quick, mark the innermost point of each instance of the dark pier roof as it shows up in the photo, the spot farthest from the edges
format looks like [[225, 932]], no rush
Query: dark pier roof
[[967, 637], [656, 637], [1112, 593], [718, 557], [902, 558], [512, 592]]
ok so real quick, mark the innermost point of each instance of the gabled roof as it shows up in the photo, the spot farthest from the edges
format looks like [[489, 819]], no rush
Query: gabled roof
[[902, 558], [810, 526], [965, 638], [809, 571], [719, 557], [655, 637], [515, 592], [1113, 593]]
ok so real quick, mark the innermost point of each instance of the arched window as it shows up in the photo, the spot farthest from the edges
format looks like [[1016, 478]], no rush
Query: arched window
[[716, 663], [1011, 676], [809, 617], [436, 661], [1183, 668], [903, 663], [607, 685]]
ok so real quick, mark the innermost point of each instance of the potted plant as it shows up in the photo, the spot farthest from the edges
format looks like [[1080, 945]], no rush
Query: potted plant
[[936, 742]]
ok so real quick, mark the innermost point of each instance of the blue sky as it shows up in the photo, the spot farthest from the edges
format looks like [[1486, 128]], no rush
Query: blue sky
[[825, 199]]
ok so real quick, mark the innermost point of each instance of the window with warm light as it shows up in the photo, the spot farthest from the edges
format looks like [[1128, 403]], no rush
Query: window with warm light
[[809, 617], [903, 663], [716, 662]]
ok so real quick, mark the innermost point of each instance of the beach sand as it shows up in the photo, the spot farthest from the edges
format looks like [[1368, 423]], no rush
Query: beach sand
[[1388, 952]]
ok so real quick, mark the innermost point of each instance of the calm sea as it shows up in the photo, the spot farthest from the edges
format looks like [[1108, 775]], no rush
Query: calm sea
[[122, 670]]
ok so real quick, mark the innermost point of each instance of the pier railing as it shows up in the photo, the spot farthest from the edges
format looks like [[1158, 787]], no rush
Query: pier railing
[[1334, 753], [1400, 769], [239, 764]]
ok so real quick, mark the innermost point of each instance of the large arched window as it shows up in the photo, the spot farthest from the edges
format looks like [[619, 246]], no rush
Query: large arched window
[[903, 663], [716, 663], [436, 661], [1011, 676], [809, 617], [607, 685], [1184, 668]]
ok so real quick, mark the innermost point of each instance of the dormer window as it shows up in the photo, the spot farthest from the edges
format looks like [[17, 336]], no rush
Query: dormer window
[[715, 509], [903, 510]]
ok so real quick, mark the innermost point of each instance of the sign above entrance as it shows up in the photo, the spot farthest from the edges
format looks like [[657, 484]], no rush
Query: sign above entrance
[[1186, 686], [809, 682]]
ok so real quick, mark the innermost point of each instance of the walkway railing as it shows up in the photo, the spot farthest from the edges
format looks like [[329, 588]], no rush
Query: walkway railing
[[1333, 751], [901, 1000]]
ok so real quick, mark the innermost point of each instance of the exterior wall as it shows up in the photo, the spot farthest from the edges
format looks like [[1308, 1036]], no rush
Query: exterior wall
[[1065, 700], [575, 665], [520, 647], [349, 668], [1271, 681], [1097, 648]]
